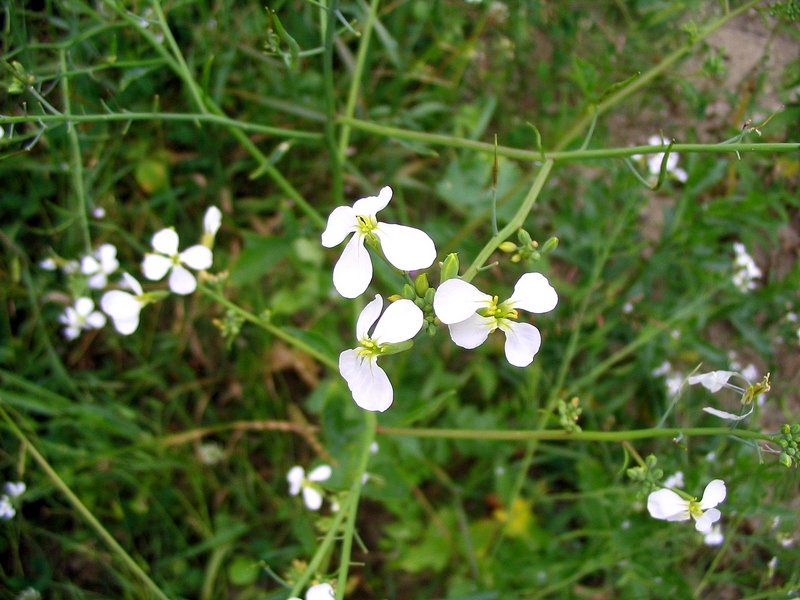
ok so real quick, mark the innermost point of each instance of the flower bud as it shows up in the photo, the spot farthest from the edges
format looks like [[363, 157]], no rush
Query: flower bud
[[408, 292], [450, 267], [394, 298], [507, 246], [429, 294], [421, 284], [550, 245], [651, 461], [524, 237], [785, 460]]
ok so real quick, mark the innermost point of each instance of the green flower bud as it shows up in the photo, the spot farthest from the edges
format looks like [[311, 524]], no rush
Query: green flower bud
[[796, 428], [785, 460], [550, 245], [658, 474], [783, 443], [408, 292], [791, 451], [429, 294], [785, 429], [524, 237], [450, 267], [507, 246], [431, 329], [651, 461], [421, 284]]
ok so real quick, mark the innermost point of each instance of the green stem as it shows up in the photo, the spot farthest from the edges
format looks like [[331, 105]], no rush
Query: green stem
[[355, 84], [580, 125], [269, 327], [560, 156], [75, 159], [350, 526], [563, 436], [515, 223], [155, 116], [330, 103], [85, 512]]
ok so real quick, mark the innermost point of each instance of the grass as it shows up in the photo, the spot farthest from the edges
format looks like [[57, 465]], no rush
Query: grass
[[156, 462]]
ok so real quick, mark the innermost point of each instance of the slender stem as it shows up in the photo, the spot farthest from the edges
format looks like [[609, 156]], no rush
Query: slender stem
[[266, 325], [515, 223], [156, 116], [355, 83], [330, 103], [636, 456], [562, 436], [81, 508], [350, 526], [580, 125], [76, 163], [560, 156]]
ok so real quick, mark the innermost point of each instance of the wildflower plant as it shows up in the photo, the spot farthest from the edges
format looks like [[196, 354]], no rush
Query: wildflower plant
[[255, 223]]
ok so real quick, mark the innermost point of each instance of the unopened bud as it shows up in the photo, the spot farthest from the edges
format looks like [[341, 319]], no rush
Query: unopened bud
[[394, 298], [785, 460], [550, 245], [450, 267], [651, 461], [508, 246], [421, 284], [524, 237], [408, 292], [429, 294]]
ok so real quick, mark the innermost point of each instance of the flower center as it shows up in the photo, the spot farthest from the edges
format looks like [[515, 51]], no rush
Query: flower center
[[498, 311], [369, 348], [365, 224], [694, 509]]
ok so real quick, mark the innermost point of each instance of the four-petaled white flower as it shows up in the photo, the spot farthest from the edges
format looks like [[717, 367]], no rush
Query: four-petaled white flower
[[99, 265], [299, 482], [124, 307], [369, 384], [156, 266], [669, 506], [406, 248], [472, 315], [81, 316]]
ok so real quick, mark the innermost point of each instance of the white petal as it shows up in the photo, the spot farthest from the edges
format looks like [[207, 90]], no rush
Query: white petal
[[120, 305], [726, 415], [713, 381], [368, 317], [295, 477], [714, 537], [155, 266], [182, 281], [15, 489], [97, 281], [84, 306], [166, 241], [472, 332], [89, 265], [71, 332], [406, 248], [322, 591], [370, 205], [107, 255], [198, 257], [704, 523], [368, 383], [353, 272], [668, 506], [96, 320], [534, 293], [341, 222], [212, 220], [456, 300], [714, 493], [523, 341], [321, 473], [132, 284], [401, 321], [312, 498]]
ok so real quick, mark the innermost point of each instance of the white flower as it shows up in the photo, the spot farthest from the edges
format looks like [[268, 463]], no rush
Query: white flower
[[15, 490], [298, 481], [99, 265], [124, 307], [714, 537], [48, 264], [669, 506], [406, 248], [368, 383], [713, 381], [322, 591], [745, 269], [7, 511], [210, 453], [98, 212], [156, 266], [211, 222], [675, 480], [472, 315], [81, 316]]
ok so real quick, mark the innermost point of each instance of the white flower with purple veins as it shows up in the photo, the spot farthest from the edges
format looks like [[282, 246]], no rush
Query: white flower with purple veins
[[81, 316], [124, 307], [670, 506], [746, 271], [406, 248], [308, 485], [99, 265], [168, 260], [368, 383], [472, 315]]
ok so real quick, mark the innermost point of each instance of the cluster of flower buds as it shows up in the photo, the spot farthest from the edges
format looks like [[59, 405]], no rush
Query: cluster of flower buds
[[788, 441], [528, 248]]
